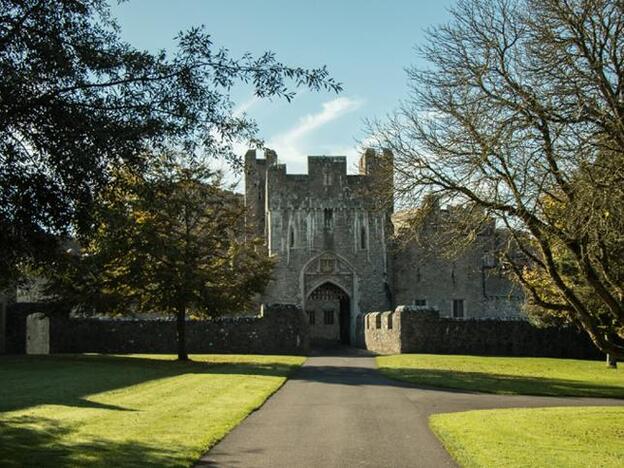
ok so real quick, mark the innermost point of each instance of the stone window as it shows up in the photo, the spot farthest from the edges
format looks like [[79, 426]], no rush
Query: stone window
[[328, 317], [488, 260], [291, 238], [420, 302], [363, 238], [378, 321], [458, 308], [327, 177], [389, 321], [303, 233], [311, 317], [328, 218]]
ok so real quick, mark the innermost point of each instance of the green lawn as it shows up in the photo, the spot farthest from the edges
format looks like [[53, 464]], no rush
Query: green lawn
[[553, 437], [91, 410], [530, 376]]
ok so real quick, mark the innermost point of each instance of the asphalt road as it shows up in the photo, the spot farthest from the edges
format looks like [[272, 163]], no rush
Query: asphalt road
[[339, 411]]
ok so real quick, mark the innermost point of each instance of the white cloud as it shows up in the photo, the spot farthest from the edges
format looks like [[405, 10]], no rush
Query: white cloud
[[290, 145], [245, 106]]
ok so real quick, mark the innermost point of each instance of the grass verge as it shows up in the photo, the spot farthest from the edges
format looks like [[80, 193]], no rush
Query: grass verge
[[507, 375], [554, 437], [139, 410]]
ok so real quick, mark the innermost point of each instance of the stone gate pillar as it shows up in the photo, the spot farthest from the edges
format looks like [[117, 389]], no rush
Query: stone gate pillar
[[37, 334]]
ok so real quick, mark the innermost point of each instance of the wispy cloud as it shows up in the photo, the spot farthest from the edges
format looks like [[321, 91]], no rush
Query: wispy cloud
[[289, 145], [245, 106]]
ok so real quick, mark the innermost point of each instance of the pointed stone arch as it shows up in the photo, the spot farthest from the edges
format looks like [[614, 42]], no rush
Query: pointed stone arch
[[328, 268]]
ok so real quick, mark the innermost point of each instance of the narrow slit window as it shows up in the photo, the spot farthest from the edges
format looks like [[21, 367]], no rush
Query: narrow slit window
[[378, 321], [291, 238], [329, 317], [328, 218], [458, 308], [311, 317], [363, 239], [303, 233]]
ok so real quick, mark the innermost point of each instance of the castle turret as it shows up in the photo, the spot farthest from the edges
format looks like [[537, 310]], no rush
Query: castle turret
[[255, 190], [379, 167]]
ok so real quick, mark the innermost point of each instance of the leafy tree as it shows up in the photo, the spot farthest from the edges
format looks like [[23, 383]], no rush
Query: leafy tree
[[169, 240], [520, 115], [76, 103]]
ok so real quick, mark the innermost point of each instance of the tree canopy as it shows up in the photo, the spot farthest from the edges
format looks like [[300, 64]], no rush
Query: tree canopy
[[168, 240], [520, 114], [76, 103]]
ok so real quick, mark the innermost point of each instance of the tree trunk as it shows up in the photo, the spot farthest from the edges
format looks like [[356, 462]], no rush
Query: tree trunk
[[611, 362], [181, 333]]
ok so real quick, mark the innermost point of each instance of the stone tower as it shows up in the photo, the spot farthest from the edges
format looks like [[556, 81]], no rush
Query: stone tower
[[330, 232]]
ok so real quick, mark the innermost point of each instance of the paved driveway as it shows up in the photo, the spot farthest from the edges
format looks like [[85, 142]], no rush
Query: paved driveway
[[339, 411]]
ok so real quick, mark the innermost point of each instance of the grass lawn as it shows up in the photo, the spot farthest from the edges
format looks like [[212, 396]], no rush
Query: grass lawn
[[507, 375], [139, 410], [553, 437]]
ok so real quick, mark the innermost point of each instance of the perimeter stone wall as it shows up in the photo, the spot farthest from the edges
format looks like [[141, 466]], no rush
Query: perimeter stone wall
[[280, 329], [410, 329]]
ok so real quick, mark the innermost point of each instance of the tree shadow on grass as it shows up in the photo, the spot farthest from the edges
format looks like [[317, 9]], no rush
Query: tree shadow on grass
[[68, 379], [35, 441], [503, 384]]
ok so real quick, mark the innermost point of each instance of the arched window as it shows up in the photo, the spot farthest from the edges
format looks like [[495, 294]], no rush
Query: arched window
[[328, 218], [363, 238]]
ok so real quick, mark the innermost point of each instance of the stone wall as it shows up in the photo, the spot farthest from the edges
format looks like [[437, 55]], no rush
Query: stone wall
[[15, 325], [421, 330], [3, 307], [281, 329], [472, 284], [382, 332]]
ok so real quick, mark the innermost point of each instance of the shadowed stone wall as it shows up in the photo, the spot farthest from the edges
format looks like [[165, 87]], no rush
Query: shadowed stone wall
[[281, 329], [421, 330]]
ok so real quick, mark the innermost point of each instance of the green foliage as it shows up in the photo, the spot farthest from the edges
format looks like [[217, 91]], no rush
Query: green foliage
[[595, 215], [169, 239], [565, 437], [506, 375], [127, 411], [77, 103]]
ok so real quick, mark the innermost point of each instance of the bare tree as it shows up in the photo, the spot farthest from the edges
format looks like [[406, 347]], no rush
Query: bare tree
[[520, 114]]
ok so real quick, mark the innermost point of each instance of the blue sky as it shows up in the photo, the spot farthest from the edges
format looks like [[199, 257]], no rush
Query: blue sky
[[365, 44]]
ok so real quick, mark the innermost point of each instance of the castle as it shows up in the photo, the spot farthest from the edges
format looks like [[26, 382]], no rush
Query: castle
[[337, 257]]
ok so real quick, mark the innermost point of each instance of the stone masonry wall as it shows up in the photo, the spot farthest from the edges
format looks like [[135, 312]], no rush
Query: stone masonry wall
[[281, 329], [420, 330], [325, 226], [382, 332]]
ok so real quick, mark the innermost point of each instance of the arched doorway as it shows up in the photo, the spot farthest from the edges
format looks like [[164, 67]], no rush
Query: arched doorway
[[328, 308]]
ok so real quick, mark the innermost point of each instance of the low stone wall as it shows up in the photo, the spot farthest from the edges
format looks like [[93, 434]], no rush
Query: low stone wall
[[411, 329], [15, 323], [382, 332], [280, 329]]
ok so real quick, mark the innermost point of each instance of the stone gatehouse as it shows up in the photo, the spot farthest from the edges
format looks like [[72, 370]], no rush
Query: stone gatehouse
[[334, 241]]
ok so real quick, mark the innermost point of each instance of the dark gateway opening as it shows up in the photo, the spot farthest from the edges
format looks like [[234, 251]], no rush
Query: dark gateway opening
[[329, 315]]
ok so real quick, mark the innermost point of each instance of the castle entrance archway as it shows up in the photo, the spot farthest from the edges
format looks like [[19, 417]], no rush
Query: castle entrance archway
[[328, 308], [329, 291]]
